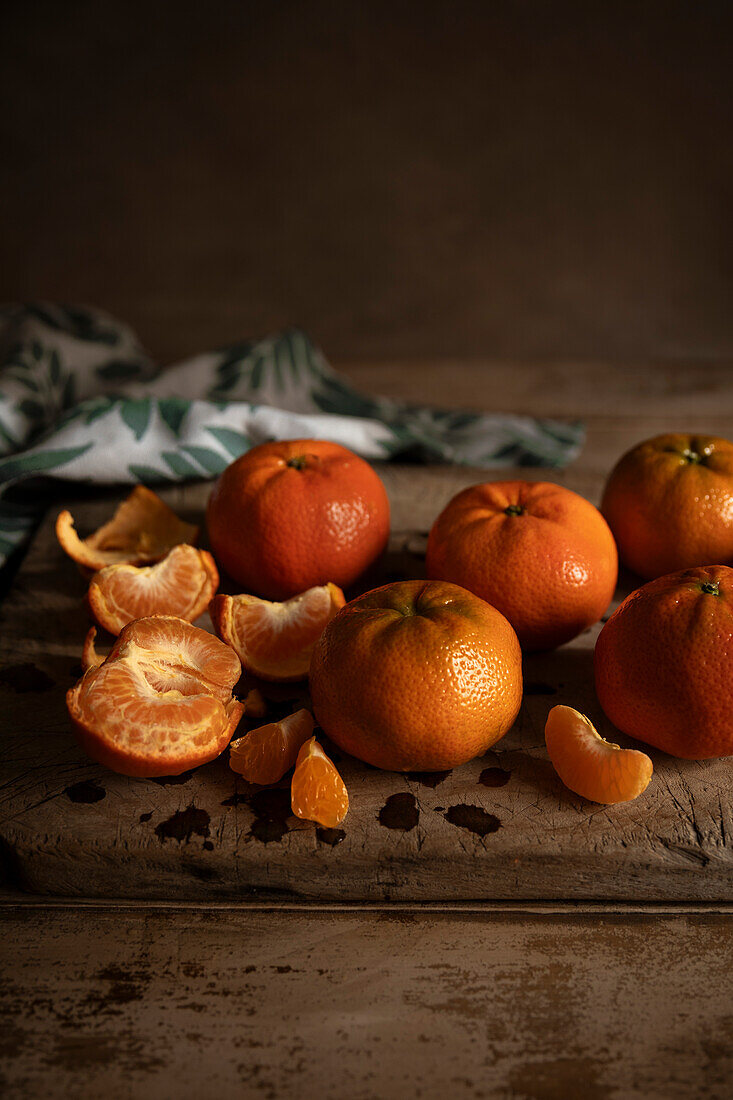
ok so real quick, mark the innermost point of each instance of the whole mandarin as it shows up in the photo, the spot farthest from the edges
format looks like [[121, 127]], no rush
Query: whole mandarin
[[664, 663], [416, 676], [290, 515], [541, 554], [669, 503]]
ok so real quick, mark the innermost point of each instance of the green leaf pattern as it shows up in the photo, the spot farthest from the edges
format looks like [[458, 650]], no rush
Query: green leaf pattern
[[79, 399]]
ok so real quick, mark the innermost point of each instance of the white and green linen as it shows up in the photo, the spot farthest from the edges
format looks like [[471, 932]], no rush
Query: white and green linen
[[80, 399]]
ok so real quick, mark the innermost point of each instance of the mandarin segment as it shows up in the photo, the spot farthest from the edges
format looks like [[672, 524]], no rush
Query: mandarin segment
[[142, 530], [275, 640], [317, 792], [592, 767], [161, 702], [182, 584], [264, 755]]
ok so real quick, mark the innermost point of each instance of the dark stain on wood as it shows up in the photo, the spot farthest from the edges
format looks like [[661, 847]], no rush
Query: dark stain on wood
[[199, 871], [183, 825], [542, 1080], [85, 792], [271, 807], [76, 1052], [25, 678], [330, 836], [172, 780], [428, 779], [235, 799], [400, 812], [494, 777], [536, 687], [119, 987], [473, 818]]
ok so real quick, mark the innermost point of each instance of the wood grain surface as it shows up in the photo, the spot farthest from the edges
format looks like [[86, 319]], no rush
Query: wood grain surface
[[185, 1003], [499, 827]]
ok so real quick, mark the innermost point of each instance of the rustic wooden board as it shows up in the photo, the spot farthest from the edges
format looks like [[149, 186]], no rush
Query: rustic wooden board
[[181, 1003], [499, 827]]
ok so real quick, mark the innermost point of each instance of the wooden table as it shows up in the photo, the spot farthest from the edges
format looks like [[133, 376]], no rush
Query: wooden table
[[482, 931]]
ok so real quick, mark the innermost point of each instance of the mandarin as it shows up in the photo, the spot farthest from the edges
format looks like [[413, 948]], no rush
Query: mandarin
[[292, 515], [664, 663], [416, 676], [669, 503], [541, 554]]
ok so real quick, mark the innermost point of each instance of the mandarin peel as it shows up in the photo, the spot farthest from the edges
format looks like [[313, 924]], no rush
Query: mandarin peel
[[142, 530]]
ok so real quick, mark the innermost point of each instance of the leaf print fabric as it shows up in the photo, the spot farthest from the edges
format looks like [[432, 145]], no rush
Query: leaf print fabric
[[80, 399]]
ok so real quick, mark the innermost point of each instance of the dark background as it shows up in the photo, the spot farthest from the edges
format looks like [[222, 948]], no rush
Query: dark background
[[529, 180]]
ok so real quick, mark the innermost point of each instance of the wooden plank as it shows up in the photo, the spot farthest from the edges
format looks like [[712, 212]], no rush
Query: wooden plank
[[500, 827], [377, 1005]]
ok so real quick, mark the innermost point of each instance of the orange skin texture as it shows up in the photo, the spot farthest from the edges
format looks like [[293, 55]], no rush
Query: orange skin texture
[[664, 664], [669, 503], [288, 516], [416, 676], [551, 569]]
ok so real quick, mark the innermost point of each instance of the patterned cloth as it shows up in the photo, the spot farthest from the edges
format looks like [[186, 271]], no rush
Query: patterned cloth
[[80, 399]]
